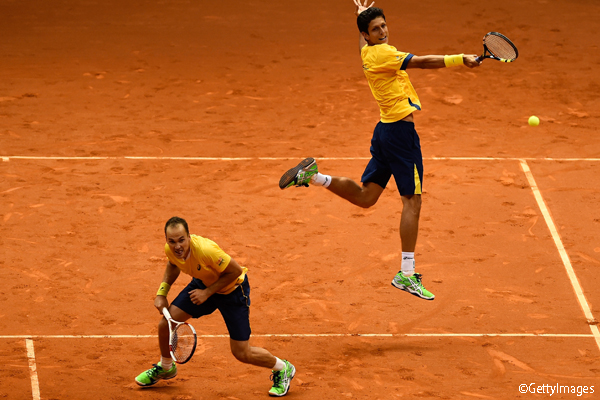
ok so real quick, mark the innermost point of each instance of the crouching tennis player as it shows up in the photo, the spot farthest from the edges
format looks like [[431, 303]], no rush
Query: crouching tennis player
[[218, 282]]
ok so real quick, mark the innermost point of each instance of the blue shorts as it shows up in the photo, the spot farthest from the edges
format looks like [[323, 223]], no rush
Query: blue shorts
[[234, 307], [396, 150]]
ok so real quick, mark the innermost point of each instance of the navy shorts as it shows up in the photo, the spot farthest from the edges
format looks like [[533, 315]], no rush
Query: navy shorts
[[234, 307], [396, 150]]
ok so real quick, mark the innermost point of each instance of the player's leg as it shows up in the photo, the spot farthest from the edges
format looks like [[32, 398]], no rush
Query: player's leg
[[403, 150], [235, 309], [364, 196], [409, 222], [181, 309], [307, 172], [283, 370], [165, 368]]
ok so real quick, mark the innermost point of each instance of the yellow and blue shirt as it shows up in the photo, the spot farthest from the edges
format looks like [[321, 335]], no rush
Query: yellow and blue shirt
[[206, 262], [384, 67]]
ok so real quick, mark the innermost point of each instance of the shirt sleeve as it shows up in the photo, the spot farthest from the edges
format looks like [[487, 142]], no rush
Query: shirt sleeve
[[215, 257]]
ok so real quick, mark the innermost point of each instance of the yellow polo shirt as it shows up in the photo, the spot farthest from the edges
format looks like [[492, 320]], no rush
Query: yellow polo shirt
[[384, 67], [206, 262]]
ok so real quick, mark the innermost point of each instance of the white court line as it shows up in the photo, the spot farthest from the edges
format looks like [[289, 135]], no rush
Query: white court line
[[7, 158], [35, 384], [563, 253], [304, 335]]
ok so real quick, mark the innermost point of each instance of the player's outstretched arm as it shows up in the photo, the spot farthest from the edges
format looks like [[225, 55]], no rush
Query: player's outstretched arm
[[433, 62], [360, 8]]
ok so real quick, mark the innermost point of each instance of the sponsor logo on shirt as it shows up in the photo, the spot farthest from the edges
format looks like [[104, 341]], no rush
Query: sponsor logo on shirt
[[220, 261]]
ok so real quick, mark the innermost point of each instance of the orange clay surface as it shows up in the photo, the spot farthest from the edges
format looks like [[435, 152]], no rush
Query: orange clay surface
[[81, 239]]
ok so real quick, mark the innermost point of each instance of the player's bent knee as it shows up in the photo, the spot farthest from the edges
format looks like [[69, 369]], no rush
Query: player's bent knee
[[242, 355], [163, 326], [367, 202]]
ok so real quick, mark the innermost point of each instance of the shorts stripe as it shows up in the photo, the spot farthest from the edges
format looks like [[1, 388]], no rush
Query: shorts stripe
[[417, 181]]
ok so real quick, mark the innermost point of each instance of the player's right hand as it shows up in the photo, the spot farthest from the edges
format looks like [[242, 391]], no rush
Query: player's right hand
[[161, 302], [471, 60], [361, 7]]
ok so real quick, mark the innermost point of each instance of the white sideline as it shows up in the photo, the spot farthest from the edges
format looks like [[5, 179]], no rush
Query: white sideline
[[305, 335], [35, 385], [8, 158], [563, 253]]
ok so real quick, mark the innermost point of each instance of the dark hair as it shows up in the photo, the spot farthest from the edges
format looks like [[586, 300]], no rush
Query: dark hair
[[174, 221], [364, 18]]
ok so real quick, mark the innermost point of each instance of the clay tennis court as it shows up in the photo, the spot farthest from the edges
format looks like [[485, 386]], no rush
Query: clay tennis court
[[117, 115]]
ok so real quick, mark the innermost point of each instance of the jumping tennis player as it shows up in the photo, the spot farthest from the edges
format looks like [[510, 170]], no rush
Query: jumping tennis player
[[218, 282], [395, 146]]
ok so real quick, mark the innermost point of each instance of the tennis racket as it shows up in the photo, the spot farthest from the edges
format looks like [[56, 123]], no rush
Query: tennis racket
[[182, 339], [499, 48]]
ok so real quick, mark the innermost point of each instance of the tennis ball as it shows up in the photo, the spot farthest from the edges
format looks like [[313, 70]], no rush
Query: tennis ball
[[534, 121]]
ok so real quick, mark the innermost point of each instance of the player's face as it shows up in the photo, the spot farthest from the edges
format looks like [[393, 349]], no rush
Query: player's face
[[179, 241], [378, 32]]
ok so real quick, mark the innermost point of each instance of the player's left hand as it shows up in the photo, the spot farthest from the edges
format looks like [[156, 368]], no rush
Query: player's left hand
[[470, 60], [361, 7], [198, 296]]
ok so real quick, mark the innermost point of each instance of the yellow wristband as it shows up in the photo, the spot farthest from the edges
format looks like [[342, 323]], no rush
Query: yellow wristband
[[454, 60], [164, 289]]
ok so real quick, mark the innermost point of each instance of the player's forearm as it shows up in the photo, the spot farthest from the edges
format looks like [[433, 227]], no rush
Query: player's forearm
[[224, 280], [426, 62], [229, 275], [171, 274]]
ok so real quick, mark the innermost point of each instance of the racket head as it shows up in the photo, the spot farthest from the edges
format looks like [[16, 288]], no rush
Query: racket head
[[182, 339], [500, 47], [183, 343]]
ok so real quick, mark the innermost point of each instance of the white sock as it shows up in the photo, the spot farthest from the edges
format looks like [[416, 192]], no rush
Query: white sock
[[279, 365], [321, 180], [166, 363], [408, 263]]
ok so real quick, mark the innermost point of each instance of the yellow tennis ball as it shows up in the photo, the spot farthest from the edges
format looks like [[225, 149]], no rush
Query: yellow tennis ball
[[534, 121]]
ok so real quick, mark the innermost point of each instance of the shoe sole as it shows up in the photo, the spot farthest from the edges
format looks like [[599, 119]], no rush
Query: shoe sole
[[407, 290], [290, 175], [288, 388]]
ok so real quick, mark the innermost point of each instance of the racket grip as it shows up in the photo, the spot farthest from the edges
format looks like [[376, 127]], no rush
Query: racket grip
[[478, 59], [166, 313]]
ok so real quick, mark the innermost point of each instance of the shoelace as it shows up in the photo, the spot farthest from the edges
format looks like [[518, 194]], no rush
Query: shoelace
[[276, 377], [417, 285], [154, 371]]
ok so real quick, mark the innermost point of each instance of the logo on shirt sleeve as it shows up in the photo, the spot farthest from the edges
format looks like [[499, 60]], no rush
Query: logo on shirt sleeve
[[220, 261]]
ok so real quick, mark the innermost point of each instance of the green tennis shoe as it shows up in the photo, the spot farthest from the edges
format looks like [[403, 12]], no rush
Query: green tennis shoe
[[282, 379], [299, 175], [413, 285], [155, 374]]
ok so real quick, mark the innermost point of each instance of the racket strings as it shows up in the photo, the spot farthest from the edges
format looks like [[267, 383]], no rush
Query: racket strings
[[183, 342], [501, 47]]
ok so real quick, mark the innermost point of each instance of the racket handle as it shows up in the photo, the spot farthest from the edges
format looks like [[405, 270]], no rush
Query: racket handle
[[478, 59], [166, 313]]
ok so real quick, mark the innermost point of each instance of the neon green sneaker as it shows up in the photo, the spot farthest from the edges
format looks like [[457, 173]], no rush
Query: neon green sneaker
[[299, 175], [282, 379], [412, 285], [155, 374]]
